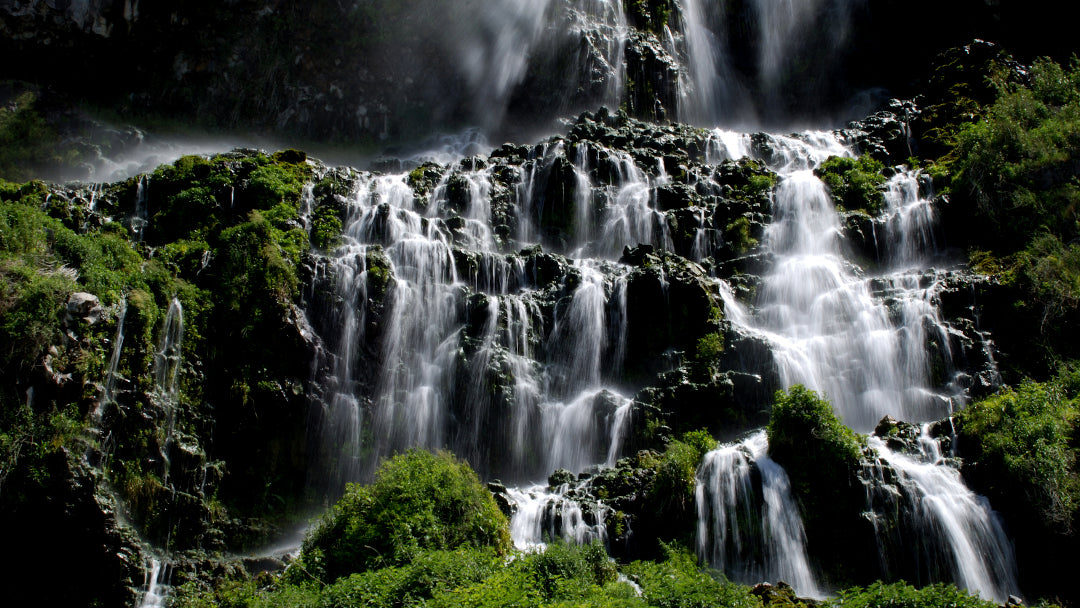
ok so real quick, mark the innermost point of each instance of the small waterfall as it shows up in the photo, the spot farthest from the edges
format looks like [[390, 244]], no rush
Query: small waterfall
[[168, 359], [141, 218], [156, 585], [910, 220], [921, 506], [748, 521], [831, 328], [108, 396], [545, 515]]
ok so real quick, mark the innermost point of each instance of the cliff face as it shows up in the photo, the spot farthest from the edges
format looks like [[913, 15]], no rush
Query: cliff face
[[395, 71], [198, 357]]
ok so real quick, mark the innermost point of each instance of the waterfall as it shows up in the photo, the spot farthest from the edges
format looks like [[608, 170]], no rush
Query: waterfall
[[830, 327], [959, 537], [545, 515], [108, 396], [141, 218], [155, 585], [861, 341], [739, 64], [748, 520], [168, 359]]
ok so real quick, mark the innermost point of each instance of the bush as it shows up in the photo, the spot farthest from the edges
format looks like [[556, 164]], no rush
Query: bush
[[1022, 445], [673, 488], [1019, 164], [428, 574], [677, 582], [419, 501], [902, 595]]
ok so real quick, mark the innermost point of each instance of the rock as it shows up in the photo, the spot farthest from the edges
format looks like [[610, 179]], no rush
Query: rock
[[83, 307], [560, 477]]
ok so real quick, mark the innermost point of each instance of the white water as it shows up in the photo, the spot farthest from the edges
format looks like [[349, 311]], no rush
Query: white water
[[156, 585], [544, 516], [168, 359], [108, 396], [960, 535], [748, 520], [141, 218], [829, 328], [465, 358]]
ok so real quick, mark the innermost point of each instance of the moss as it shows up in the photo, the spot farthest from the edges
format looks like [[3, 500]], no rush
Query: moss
[[857, 184], [325, 228]]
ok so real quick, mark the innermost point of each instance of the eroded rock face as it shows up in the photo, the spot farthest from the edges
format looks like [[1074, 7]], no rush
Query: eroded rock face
[[56, 510]]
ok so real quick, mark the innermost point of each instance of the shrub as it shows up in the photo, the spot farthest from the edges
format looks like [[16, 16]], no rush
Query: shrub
[[678, 582], [428, 574], [1021, 443], [418, 501], [902, 595], [673, 488], [1018, 165]]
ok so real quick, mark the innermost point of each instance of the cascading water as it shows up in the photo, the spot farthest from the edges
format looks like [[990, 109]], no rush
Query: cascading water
[[748, 520], [141, 218], [168, 359], [155, 585], [960, 537], [109, 393], [546, 515], [829, 330], [468, 360]]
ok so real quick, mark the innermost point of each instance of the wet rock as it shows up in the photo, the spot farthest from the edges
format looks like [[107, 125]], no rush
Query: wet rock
[[84, 307]]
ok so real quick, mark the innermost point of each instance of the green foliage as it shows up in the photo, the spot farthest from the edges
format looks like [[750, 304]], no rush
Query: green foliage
[[673, 487], [325, 228], [803, 426], [27, 140], [1019, 164], [1022, 443], [246, 594], [902, 595], [821, 457], [426, 575], [677, 582], [1050, 271], [419, 501], [709, 348], [856, 183], [737, 233]]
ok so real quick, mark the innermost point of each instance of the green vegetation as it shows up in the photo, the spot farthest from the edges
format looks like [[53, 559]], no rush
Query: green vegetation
[[822, 458], [673, 488], [1022, 444], [737, 234], [902, 595], [419, 501], [857, 184], [1019, 164], [27, 141]]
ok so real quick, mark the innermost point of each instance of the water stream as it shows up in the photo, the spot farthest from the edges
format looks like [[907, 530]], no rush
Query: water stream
[[748, 521], [959, 537]]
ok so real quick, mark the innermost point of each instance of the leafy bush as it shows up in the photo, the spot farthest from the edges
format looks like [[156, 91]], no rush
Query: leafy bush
[[902, 595], [803, 429], [1019, 164], [427, 574], [678, 582], [673, 488], [1022, 445], [856, 183], [418, 501]]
